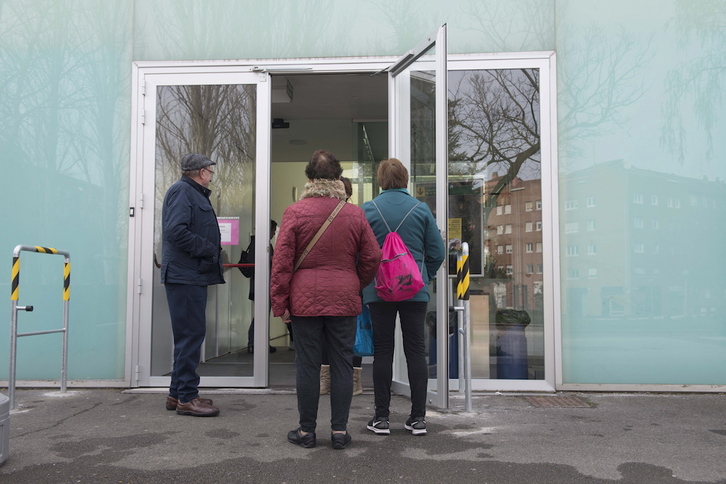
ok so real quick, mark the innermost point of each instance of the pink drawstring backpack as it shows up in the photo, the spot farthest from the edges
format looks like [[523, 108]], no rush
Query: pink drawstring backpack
[[398, 277]]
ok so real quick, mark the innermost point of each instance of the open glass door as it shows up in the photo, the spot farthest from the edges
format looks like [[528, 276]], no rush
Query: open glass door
[[498, 192], [418, 127], [224, 115]]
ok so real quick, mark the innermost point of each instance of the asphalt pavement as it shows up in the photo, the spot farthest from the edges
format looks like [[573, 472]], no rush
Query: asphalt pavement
[[117, 436]]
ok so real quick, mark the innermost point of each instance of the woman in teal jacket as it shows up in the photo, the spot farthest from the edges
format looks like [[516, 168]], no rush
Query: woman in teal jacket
[[421, 234]]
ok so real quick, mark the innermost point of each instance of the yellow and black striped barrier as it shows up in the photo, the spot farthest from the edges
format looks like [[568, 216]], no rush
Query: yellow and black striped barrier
[[462, 273], [15, 295], [462, 293], [15, 275]]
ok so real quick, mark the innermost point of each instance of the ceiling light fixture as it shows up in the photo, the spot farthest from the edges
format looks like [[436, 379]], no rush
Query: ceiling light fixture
[[279, 123]]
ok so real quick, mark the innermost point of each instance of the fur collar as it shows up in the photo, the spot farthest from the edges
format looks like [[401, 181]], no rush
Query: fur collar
[[321, 187]]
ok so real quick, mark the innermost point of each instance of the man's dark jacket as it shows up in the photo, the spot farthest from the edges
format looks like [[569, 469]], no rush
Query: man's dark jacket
[[191, 245]]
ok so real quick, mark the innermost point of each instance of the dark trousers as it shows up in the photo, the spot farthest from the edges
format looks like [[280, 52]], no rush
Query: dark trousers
[[412, 315], [338, 332], [187, 308], [357, 360]]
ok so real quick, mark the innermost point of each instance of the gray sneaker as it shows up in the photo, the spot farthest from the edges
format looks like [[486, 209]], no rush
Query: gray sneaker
[[379, 425], [417, 425]]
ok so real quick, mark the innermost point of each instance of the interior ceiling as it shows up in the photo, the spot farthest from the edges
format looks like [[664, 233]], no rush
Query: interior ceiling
[[332, 96]]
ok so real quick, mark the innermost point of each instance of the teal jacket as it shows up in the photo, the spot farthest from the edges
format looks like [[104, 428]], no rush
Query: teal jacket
[[419, 232]]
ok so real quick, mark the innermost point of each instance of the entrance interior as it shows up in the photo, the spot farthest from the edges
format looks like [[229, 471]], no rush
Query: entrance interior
[[344, 113]]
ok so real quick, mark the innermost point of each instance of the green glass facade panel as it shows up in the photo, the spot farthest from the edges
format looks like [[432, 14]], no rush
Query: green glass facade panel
[[65, 73], [641, 160], [640, 152], [233, 29], [65, 70]]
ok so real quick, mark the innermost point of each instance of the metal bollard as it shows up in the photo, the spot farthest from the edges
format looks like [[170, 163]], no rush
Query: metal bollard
[[462, 293]]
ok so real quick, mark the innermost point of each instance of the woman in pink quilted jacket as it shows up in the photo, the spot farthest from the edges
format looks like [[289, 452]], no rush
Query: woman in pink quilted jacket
[[322, 297]]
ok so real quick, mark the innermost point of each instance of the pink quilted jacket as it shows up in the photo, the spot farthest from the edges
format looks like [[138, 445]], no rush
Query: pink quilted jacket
[[344, 260]]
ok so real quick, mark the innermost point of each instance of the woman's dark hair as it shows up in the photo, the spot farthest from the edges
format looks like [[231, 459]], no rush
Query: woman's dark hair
[[323, 164], [392, 174], [348, 186]]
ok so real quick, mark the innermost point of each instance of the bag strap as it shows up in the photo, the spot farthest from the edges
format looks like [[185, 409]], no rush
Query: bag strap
[[384, 219], [322, 229]]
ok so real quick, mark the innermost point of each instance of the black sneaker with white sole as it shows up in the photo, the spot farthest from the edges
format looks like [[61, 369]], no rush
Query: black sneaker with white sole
[[417, 425], [379, 425]]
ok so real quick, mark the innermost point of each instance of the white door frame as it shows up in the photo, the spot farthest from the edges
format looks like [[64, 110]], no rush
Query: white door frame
[[139, 344], [142, 190]]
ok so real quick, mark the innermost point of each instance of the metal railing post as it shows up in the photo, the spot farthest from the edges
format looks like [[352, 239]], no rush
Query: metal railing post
[[462, 293], [15, 294]]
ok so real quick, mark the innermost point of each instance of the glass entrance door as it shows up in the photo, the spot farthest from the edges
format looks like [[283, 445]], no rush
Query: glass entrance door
[[221, 115], [482, 158], [418, 138]]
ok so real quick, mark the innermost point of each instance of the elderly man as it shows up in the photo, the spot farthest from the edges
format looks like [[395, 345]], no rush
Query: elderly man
[[191, 261]]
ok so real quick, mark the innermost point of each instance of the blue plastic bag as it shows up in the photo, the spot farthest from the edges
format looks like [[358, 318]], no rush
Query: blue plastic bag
[[364, 334]]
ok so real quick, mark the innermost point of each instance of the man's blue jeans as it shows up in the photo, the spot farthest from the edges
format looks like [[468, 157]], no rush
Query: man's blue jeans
[[187, 308]]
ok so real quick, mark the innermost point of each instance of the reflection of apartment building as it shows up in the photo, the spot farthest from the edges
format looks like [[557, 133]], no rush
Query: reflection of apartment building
[[631, 240], [514, 241]]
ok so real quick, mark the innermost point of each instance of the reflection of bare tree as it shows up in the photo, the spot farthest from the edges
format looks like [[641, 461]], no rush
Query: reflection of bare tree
[[216, 120], [423, 123], [407, 22], [600, 76], [61, 115], [36, 84], [520, 26], [494, 134], [494, 126], [697, 83], [192, 29]]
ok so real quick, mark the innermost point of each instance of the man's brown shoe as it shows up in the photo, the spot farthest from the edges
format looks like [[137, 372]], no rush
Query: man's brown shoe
[[172, 402], [197, 408]]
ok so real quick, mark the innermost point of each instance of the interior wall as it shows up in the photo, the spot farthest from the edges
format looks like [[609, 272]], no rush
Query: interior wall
[[291, 150], [304, 136]]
